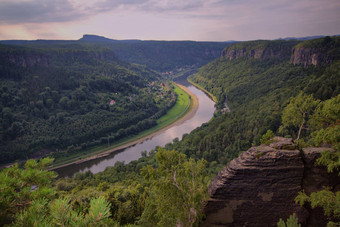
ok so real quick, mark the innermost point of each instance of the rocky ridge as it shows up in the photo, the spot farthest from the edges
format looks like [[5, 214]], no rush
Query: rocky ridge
[[28, 57], [309, 56], [260, 49], [306, 53], [259, 187], [28, 60]]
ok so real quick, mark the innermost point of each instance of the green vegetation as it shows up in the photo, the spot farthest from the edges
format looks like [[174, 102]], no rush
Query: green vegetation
[[162, 187], [321, 43], [69, 98], [267, 137], [165, 56], [257, 91], [180, 108], [297, 112], [327, 199], [171, 183], [207, 92], [292, 221], [20, 187], [177, 189]]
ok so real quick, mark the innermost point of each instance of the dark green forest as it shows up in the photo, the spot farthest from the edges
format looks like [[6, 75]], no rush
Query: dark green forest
[[256, 90], [70, 97], [162, 56], [168, 186]]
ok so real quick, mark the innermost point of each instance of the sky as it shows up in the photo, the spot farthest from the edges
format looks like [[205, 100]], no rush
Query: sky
[[201, 20]]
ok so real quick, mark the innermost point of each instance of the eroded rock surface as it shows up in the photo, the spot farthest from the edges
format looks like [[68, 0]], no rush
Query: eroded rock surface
[[309, 56], [259, 187]]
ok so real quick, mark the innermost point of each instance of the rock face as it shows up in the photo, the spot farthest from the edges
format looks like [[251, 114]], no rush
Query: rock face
[[264, 53], [258, 188], [260, 49], [28, 60], [309, 56]]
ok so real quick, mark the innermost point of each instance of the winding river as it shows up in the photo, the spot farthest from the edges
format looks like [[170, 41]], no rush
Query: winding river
[[203, 114]]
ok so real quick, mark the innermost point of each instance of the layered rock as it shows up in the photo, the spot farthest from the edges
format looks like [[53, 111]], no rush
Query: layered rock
[[263, 53], [260, 49], [309, 56], [259, 187]]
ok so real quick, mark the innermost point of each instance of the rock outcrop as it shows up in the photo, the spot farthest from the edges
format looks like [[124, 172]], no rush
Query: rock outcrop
[[28, 60], [259, 187], [309, 56], [264, 53], [260, 49]]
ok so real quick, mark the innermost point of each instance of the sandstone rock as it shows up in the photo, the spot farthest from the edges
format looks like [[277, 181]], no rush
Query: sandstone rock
[[263, 53], [309, 56], [259, 187]]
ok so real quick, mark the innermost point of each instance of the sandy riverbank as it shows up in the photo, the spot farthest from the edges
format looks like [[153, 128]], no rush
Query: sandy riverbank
[[190, 113]]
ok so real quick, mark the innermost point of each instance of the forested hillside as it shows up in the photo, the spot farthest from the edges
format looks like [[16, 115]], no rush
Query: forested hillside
[[265, 90], [162, 56], [257, 89], [72, 96]]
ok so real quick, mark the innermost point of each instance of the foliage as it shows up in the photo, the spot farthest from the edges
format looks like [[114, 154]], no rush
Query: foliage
[[60, 213], [266, 138], [20, 187], [325, 122], [177, 189], [326, 198], [166, 56], [292, 221], [321, 43], [298, 111], [331, 160], [57, 98]]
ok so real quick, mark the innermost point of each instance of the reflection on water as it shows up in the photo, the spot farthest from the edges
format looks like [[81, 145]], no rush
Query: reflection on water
[[203, 114]]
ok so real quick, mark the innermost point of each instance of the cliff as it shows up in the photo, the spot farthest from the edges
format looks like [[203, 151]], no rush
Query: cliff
[[260, 49], [28, 56], [316, 52], [306, 53], [258, 188], [28, 60]]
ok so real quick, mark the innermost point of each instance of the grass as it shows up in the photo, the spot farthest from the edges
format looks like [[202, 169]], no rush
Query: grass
[[181, 107], [182, 103]]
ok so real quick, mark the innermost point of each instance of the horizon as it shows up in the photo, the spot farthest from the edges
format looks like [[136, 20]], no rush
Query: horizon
[[110, 38], [194, 20]]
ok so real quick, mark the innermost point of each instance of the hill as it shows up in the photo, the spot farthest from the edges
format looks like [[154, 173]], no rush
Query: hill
[[71, 96], [162, 56], [256, 88]]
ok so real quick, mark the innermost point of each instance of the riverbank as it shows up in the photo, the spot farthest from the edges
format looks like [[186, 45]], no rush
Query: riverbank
[[170, 119], [201, 88]]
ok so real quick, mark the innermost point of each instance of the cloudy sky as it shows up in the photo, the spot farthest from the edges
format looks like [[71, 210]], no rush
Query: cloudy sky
[[203, 20]]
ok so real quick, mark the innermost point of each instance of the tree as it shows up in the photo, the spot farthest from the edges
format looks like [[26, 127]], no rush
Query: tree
[[327, 199], [20, 187], [177, 190], [267, 137], [297, 112], [292, 221], [60, 213], [325, 122]]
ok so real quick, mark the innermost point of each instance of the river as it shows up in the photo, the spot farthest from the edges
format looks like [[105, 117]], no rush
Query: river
[[203, 114]]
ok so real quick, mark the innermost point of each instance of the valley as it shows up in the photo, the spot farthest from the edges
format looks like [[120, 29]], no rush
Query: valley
[[62, 97]]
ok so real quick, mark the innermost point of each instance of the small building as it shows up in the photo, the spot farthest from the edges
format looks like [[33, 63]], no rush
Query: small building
[[112, 102]]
